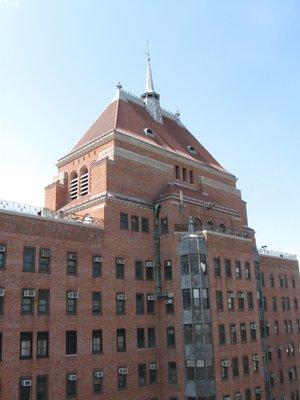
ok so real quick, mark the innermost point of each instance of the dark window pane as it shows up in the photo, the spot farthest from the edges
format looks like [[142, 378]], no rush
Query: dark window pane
[[71, 342], [29, 259]]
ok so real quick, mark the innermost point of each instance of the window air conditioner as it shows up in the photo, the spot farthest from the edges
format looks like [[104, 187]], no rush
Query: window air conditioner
[[123, 371], [120, 261], [72, 256], [98, 374], [26, 382], [225, 363], [169, 301], [153, 366], [73, 295], [168, 263], [97, 259], [238, 396], [29, 293], [72, 377], [253, 326], [241, 295], [233, 329], [230, 295], [257, 390], [151, 297], [149, 264], [2, 248], [256, 357], [2, 291], [45, 253], [121, 296]]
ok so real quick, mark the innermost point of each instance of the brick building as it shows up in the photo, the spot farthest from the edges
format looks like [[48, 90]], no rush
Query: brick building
[[140, 279]]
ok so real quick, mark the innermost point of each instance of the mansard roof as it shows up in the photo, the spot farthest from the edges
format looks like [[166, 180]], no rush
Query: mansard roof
[[128, 114]]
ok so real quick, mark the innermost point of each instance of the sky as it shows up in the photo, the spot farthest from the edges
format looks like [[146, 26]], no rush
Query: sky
[[230, 67]]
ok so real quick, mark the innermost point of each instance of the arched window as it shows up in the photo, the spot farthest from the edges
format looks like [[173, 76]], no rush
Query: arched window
[[210, 225], [73, 185], [197, 224], [222, 228], [84, 181]]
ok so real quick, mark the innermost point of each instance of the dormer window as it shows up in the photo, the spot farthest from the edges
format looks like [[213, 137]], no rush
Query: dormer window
[[149, 132], [191, 149]]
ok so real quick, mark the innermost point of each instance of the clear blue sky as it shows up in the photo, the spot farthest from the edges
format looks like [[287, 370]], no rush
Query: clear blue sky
[[230, 67]]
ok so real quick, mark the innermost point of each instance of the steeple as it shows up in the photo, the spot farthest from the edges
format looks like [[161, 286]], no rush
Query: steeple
[[150, 97]]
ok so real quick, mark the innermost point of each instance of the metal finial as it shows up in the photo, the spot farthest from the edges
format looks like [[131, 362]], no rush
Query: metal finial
[[147, 52], [177, 114], [119, 86]]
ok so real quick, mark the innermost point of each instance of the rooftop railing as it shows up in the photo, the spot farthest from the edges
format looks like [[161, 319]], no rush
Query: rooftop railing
[[225, 231], [278, 254], [44, 212]]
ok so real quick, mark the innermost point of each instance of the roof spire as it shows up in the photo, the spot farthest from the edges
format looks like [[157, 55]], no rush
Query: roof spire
[[149, 79], [150, 97]]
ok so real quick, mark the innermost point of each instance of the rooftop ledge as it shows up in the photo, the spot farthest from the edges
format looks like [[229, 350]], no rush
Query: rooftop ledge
[[46, 213], [277, 254]]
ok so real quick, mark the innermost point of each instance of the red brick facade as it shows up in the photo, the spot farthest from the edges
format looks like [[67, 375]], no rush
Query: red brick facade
[[130, 173]]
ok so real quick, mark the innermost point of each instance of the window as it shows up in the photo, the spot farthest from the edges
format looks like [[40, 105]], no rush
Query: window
[[29, 259], [248, 394], [121, 340], [243, 331], [250, 301], [27, 304], [120, 303], [185, 268], [140, 338], [142, 375], [202, 334], [120, 268], [151, 337], [228, 272], [44, 302], [169, 306], [71, 385], [186, 298], [292, 279], [191, 176], [164, 227], [168, 273], [150, 303], [295, 303], [122, 378], [25, 389], [246, 369], [25, 345], [124, 221], [224, 369], [42, 387], [188, 334], [71, 342], [233, 335], [257, 393], [2, 256], [149, 271], [44, 262], [255, 361], [219, 300], [184, 175], [134, 223], [72, 263], [139, 270], [235, 368], [276, 327], [1, 304], [247, 270], [272, 282], [222, 334], [171, 337], [177, 172], [262, 278], [73, 185], [230, 300], [139, 301], [145, 225], [172, 372], [238, 270], [84, 181], [97, 381], [71, 305], [190, 370], [153, 373], [196, 298], [97, 303], [253, 329], [97, 266], [42, 347], [1, 344], [241, 301], [217, 266], [97, 343]]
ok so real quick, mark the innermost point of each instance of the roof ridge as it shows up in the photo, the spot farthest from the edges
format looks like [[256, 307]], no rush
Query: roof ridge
[[117, 113]]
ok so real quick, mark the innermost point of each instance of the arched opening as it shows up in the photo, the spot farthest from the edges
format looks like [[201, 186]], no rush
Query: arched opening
[[73, 185], [210, 225], [222, 228], [84, 181], [198, 224]]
